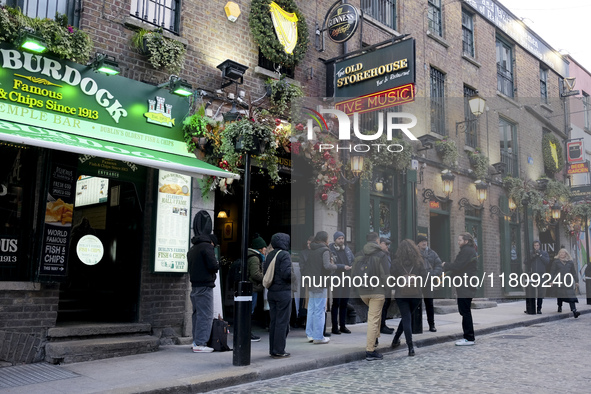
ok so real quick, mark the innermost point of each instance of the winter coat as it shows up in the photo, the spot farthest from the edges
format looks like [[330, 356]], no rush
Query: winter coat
[[401, 268], [255, 269], [538, 263], [381, 266], [282, 275], [343, 257], [203, 265], [316, 268], [560, 272], [466, 262], [432, 265]]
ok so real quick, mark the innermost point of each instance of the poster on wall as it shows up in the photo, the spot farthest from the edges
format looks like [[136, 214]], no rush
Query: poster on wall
[[58, 220], [173, 223]]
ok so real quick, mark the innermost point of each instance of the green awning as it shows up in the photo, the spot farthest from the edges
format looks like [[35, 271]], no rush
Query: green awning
[[46, 138]]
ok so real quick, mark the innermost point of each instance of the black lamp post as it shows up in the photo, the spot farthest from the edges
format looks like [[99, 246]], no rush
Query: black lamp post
[[530, 291]]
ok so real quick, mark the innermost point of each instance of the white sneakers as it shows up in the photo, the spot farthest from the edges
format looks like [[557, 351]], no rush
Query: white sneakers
[[464, 342], [321, 341], [310, 339], [202, 349]]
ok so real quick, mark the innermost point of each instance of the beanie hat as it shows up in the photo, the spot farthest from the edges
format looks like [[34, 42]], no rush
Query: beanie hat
[[421, 238], [258, 243], [338, 234]]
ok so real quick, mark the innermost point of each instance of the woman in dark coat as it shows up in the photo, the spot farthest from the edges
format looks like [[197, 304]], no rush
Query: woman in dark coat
[[407, 261], [564, 273], [279, 295]]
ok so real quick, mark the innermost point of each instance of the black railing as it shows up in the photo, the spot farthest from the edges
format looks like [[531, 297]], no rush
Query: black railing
[[269, 65], [47, 9], [162, 13], [510, 159], [384, 11]]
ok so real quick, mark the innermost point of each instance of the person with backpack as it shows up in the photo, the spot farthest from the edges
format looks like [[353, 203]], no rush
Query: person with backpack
[[318, 267], [372, 263], [407, 267], [433, 267], [255, 257]]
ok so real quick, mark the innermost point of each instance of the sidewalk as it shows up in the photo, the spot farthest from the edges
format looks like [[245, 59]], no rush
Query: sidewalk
[[176, 369]]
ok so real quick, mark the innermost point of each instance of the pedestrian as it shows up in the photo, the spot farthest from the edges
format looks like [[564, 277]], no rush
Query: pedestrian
[[303, 310], [375, 263], [203, 267], [539, 263], [344, 260], [279, 295], [255, 257], [564, 274], [432, 264], [384, 329], [408, 263], [465, 266], [319, 267]]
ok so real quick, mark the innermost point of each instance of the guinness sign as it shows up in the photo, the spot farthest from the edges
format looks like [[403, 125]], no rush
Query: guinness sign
[[342, 23]]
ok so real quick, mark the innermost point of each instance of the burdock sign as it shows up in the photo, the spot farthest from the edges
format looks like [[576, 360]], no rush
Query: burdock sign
[[379, 79]]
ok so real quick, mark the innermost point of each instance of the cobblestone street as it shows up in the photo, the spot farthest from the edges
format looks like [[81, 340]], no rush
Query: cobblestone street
[[544, 358]]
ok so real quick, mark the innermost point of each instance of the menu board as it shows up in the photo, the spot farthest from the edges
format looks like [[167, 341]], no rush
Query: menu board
[[58, 220], [173, 225], [91, 190]]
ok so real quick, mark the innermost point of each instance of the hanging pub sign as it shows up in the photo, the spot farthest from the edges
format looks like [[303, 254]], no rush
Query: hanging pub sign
[[342, 23], [378, 79], [575, 151], [578, 168], [173, 226]]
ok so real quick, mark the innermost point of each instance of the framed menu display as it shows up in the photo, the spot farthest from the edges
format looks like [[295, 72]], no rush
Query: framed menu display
[[173, 224]]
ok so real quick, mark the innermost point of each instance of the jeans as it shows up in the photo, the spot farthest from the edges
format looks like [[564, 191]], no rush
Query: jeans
[[279, 311], [254, 301], [466, 313], [407, 306], [202, 318], [316, 315], [375, 302]]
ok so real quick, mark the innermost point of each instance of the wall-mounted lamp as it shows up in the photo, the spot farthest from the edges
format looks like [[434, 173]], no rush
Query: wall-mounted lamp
[[476, 104], [105, 64], [495, 210], [178, 86], [427, 142], [29, 41], [232, 11], [512, 205], [556, 210], [481, 195], [356, 163], [232, 72], [448, 187], [231, 115], [379, 185], [223, 214]]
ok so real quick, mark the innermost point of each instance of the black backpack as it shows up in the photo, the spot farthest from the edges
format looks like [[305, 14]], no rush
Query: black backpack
[[363, 265], [219, 336]]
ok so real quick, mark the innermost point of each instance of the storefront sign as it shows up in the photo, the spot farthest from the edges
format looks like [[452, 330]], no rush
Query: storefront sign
[[517, 30], [58, 220], [578, 168], [173, 223], [575, 151], [378, 71], [8, 250], [434, 205], [342, 23], [580, 193], [90, 250], [375, 101]]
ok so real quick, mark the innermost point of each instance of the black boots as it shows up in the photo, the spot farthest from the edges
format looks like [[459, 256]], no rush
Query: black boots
[[576, 313], [395, 342], [539, 311], [432, 328], [411, 349], [559, 308]]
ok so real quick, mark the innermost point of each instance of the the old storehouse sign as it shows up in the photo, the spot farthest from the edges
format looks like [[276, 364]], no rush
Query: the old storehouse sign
[[342, 23]]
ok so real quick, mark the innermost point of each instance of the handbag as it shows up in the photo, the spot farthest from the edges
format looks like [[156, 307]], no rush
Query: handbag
[[268, 278]]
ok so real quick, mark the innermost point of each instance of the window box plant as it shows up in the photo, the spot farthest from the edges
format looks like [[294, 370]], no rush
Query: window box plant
[[448, 151], [162, 52], [281, 94], [480, 163]]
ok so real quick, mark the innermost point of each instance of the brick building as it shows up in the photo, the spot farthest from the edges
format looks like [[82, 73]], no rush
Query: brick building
[[459, 48]]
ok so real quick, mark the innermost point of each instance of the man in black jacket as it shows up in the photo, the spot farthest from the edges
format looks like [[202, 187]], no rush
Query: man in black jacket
[[539, 263], [465, 265], [433, 268], [203, 267]]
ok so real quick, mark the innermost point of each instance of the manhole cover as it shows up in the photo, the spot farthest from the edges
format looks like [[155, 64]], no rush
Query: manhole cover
[[22, 375], [514, 336]]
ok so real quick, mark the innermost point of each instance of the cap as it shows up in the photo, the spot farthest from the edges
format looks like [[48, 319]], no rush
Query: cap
[[338, 234], [258, 243], [421, 238]]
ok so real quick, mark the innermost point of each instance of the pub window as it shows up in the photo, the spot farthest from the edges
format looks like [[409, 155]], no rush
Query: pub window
[[384, 11], [544, 84], [504, 68], [369, 121], [269, 65], [48, 8], [508, 146], [471, 127], [162, 13], [437, 102], [468, 33], [434, 15], [586, 109]]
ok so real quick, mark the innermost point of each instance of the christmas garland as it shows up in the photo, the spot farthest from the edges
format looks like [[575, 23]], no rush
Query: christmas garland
[[263, 31], [551, 163]]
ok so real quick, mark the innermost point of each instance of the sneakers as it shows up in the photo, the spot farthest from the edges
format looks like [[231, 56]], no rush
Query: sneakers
[[371, 356], [254, 338], [280, 355], [310, 339], [345, 330], [202, 349], [321, 341], [464, 342]]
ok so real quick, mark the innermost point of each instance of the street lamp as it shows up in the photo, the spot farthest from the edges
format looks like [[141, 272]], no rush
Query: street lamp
[[448, 182], [477, 105], [481, 191], [556, 209]]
